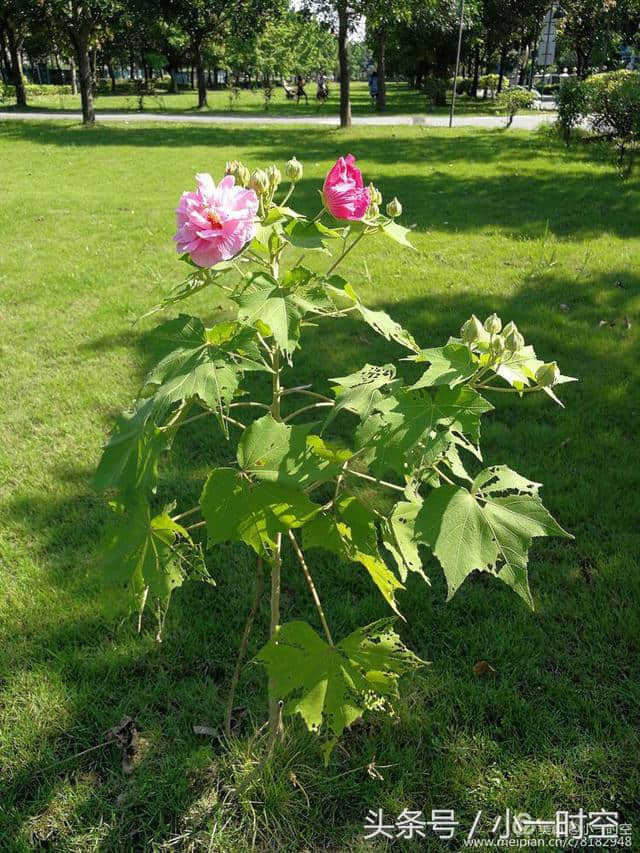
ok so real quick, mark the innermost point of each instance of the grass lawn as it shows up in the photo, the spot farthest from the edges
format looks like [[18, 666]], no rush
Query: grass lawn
[[509, 221], [400, 101]]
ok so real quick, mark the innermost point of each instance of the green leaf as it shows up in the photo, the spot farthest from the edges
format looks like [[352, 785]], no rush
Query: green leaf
[[489, 534], [382, 323], [336, 684], [142, 556], [412, 429], [449, 365], [398, 536], [350, 532], [199, 362], [500, 478], [130, 458], [264, 302], [311, 236], [193, 284], [398, 233], [359, 391], [278, 453], [237, 509]]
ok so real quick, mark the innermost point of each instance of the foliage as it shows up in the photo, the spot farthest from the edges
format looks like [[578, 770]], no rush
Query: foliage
[[512, 101], [571, 104], [414, 446], [435, 88], [608, 103]]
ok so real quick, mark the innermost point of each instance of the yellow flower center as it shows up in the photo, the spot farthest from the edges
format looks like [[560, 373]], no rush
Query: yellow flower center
[[213, 218]]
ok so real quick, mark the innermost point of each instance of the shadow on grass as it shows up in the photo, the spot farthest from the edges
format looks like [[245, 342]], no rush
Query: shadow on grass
[[511, 196], [565, 700]]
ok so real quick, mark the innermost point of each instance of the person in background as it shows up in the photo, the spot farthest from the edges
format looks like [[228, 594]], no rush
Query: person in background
[[300, 92], [373, 87]]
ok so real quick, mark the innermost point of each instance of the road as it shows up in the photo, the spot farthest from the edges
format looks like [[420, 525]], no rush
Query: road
[[524, 122]]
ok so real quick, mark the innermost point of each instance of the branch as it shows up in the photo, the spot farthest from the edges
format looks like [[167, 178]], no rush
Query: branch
[[306, 409], [375, 480], [243, 647], [309, 579]]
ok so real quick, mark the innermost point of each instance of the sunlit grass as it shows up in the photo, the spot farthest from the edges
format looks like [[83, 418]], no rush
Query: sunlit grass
[[510, 222]]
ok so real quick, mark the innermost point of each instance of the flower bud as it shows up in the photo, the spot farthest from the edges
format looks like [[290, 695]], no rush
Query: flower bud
[[493, 324], [273, 173], [510, 327], [514, 340], [394, 208], [230, 167], [547, 374], [373, 211], [259, 181], [375, 195], [242, 175], [497, 344], [293, 170], [472, 330]]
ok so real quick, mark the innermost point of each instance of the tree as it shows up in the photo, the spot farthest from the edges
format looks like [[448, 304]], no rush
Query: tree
[[382, 15], [16, 17], [588, 26]]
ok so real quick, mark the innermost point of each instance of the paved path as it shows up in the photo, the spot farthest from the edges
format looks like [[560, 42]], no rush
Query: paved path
[[524, 122]]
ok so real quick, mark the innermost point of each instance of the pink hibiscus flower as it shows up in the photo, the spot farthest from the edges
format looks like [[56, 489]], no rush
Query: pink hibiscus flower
[[215, 222], [345, 195]]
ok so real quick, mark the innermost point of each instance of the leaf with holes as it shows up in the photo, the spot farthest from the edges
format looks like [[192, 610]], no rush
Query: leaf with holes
[[360, 391], [398, 537], [350, 532], [333, 686]]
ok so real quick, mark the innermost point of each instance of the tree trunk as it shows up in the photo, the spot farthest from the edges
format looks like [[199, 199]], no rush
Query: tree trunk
[[191, 72], [382, 71], [343, 61], [84, 68], [202, 80], [476, 71], [112, 76], [93, 63], [74, 76], [16, 67], [503, 59], [173, 86], [522, 76]]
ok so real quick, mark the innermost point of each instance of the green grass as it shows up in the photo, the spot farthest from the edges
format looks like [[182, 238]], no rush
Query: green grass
[[508, 221], [400, 101]]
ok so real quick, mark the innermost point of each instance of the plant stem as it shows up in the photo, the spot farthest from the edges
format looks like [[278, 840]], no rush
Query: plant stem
[[287, 196], [186, 513], [275, 708], [302, 389], [374, 480], [243, 646], [528, 390], [275, 400], [345, 253], [249, 403], [314, 594], [306, 409]]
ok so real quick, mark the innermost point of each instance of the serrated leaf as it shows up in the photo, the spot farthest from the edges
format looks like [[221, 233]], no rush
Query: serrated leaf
[[336, 684], [142, 557], [398, 233], [199, 362], [359, 391], [130, 458], [382, 323], [350, 532], [237, 509], [279, 453], [398, 536], [263, 302], [412, 429], [450, 365], [494, 534]]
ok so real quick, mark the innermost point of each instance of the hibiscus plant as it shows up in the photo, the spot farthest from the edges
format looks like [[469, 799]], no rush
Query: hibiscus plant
[[409, 482]]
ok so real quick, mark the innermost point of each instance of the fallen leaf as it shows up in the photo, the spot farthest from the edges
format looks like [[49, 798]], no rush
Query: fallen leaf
[[482, 667], [125, 734], [205, 730]]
